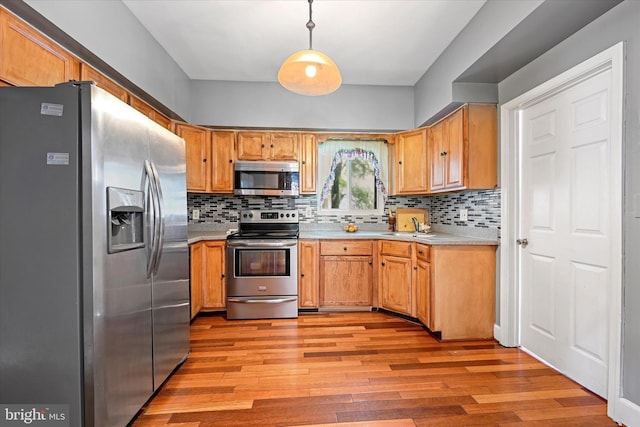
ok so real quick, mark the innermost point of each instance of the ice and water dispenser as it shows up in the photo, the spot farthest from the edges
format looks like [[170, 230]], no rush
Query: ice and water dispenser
[[125, 215]]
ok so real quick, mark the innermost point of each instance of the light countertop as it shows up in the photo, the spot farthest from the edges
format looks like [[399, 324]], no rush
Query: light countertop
[[432, 238]]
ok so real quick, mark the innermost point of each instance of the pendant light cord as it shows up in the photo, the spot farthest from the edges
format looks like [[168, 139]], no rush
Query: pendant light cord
[[310, 25]]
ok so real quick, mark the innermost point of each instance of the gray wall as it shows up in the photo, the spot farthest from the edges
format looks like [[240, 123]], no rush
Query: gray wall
[[241, 104], [109, 30], [620, 24], [434, 91]]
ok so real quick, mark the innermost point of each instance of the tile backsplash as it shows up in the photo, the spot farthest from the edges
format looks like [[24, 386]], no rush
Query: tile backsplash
[[220, 212]]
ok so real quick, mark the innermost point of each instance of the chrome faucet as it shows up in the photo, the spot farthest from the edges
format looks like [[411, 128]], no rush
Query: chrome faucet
[[416, 224]]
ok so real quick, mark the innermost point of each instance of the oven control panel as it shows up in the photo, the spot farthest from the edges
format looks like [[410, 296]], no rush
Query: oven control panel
[[269, 216]]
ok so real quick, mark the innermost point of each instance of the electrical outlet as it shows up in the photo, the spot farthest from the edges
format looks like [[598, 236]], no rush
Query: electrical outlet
[[464, 215], [308, 212], [195, 214]]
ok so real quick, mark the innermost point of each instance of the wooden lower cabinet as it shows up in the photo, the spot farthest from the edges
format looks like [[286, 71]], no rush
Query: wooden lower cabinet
[[214, 281], [463, 291], [423, 284], [308, 274], [196, 252], [397, 283], [208, 282], [346, 273]]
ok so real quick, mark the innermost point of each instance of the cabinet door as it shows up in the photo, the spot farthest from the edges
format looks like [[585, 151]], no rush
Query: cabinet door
[[423, 291], [308, 164], [396, 292], [198, 151], [411, 162], [214, 281], [346, 281], [27, 58], [437, 156], [196, 278], [252, 145], [222, 155], [89, 74], [283, 146], [455, 157], [308, 267]]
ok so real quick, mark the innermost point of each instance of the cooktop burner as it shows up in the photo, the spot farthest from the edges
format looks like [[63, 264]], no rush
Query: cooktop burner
[[267, 224]]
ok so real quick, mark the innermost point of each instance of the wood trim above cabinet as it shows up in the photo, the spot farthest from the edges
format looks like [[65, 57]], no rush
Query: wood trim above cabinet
[[87, 73]]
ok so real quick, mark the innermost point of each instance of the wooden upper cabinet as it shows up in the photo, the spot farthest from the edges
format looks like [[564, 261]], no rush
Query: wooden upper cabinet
[[252, 145], [27, 58], [150, 112], [463, 149], [198, 152], [410, 166], [267, 145], [102, 81], [222, 158], [283, 146], [308, 163]]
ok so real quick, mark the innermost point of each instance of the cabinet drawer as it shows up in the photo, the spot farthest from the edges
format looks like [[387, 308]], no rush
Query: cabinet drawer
[[346, 247], [401, 249], [423, 252]]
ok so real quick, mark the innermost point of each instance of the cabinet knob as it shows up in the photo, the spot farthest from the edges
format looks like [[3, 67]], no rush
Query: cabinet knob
[[345, 248], [370, 262], [399, 163], [271, 145], [303, 162], [420, 251], [204, 160], [230, 161], [301, 274], [383, 264], [222, 276], [262, 145], [415, 268], [444, 153]]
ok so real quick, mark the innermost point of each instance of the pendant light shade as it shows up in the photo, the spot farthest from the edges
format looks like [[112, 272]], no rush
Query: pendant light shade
[[309, 72]]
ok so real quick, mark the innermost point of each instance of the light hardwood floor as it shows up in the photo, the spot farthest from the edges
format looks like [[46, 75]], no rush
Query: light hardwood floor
[[359, 369]]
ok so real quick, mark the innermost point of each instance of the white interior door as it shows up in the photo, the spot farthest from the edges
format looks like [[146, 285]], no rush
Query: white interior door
[[565, 216]]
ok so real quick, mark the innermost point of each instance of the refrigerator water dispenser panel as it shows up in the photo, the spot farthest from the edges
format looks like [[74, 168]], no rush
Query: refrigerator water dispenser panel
[[125, 214]]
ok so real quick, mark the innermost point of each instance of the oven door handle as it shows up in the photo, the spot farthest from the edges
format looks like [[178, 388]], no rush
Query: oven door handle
[[261, 244], [261, 301]]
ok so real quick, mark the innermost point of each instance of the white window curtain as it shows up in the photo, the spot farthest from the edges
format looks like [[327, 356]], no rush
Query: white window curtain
[[331, 152]]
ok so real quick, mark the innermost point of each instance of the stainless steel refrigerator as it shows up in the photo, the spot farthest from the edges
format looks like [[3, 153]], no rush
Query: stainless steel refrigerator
[[94, 277]]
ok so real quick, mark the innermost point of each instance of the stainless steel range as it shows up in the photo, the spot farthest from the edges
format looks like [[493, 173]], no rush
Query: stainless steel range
[[262, 265]]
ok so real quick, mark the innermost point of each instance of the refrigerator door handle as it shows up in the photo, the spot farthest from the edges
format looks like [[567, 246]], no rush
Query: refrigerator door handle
[[159, 218], [153, 235]]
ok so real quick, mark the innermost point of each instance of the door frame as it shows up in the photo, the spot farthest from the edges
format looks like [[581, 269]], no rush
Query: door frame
[[507, 332]]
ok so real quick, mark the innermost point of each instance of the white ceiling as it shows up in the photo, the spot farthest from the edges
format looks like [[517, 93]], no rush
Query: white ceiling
[[373, 42]]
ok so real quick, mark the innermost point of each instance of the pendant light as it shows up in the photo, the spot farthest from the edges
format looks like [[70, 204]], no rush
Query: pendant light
[[309, 72]]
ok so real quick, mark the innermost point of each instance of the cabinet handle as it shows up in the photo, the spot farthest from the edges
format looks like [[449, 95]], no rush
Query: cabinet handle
[[399, 163], [345, 248], [222, 276], [271, 145], [383, 264], [370, 262], [262, 145], [301, 274], [420, 251], [415, 268], [444, 153], [204, 160], [230, 161]]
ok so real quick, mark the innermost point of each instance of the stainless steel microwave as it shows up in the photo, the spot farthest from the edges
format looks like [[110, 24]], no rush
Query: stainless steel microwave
[[266, 178]]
